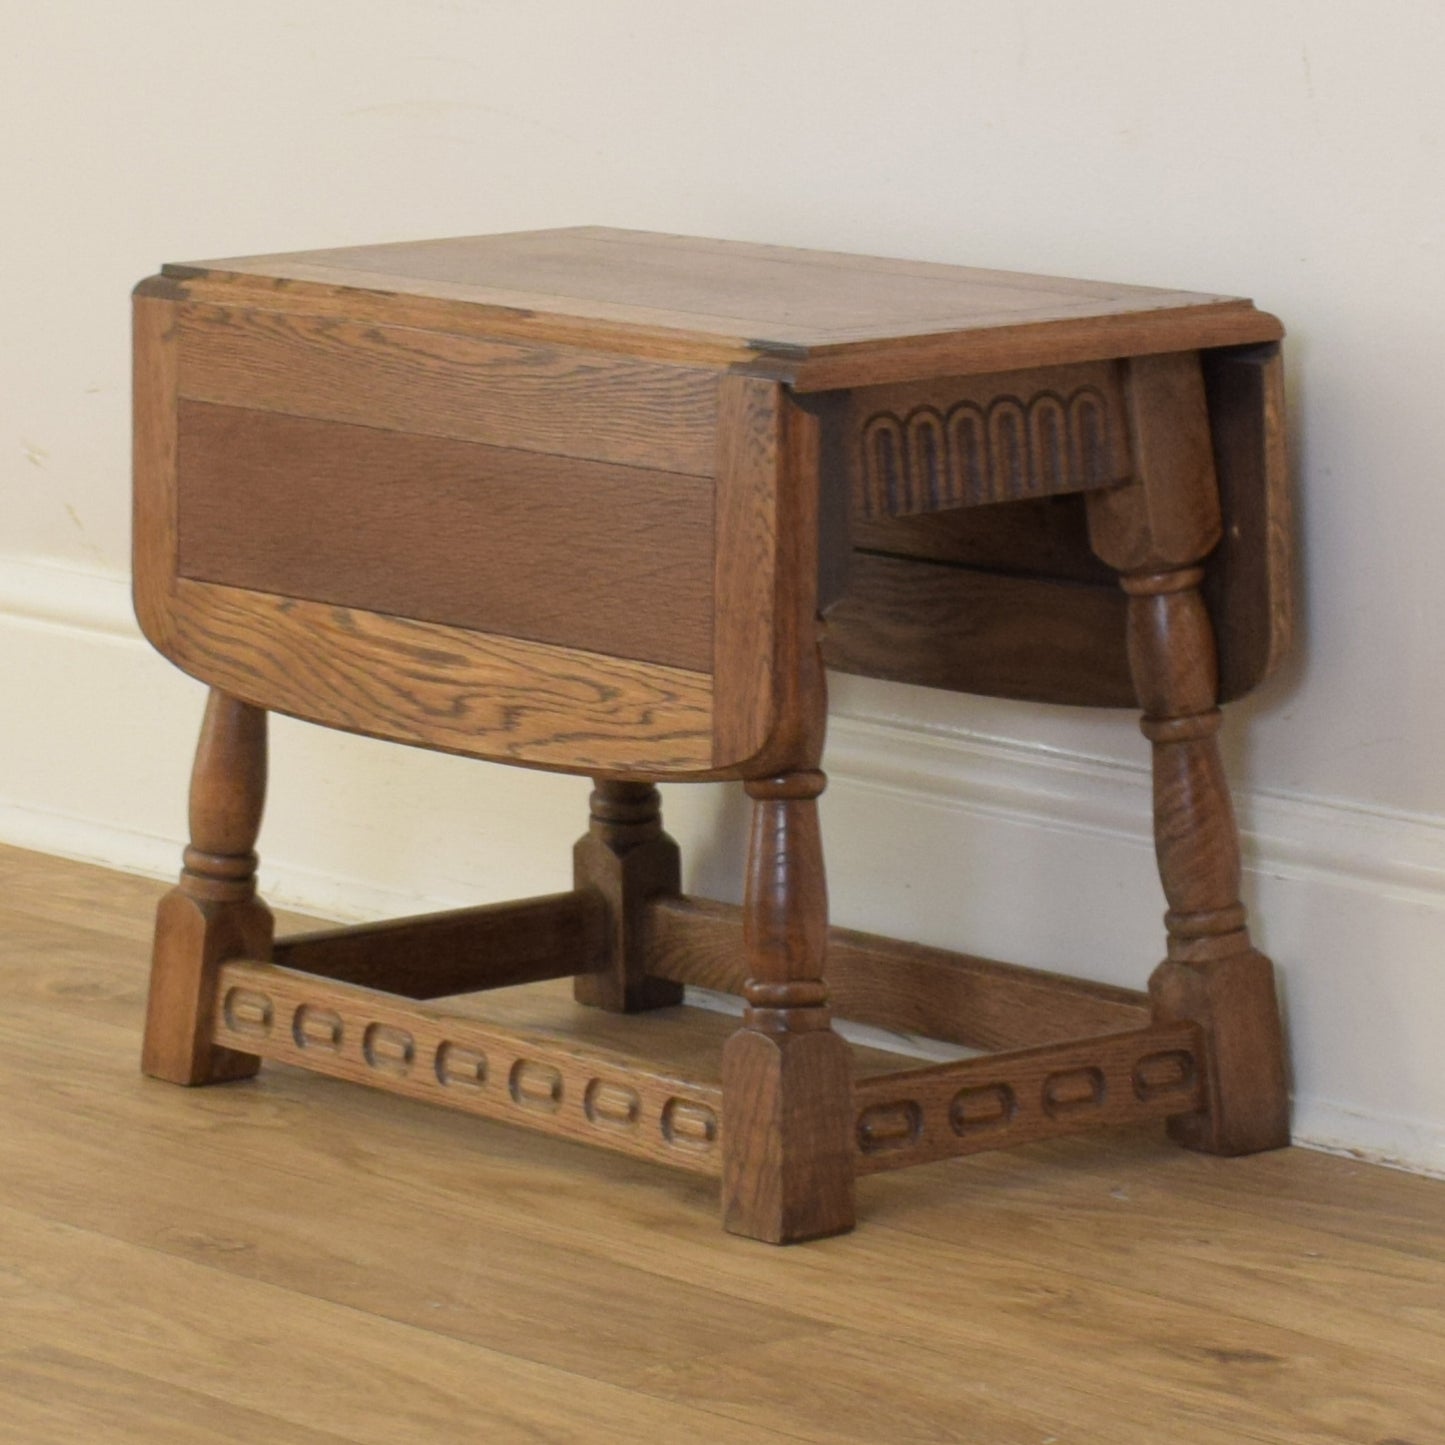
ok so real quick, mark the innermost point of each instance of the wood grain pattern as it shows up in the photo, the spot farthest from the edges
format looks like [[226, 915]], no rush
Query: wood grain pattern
[[622, 862], [1170, 517], [1017, 347], [908, 987], [831, 320], [966, 630], [61, 1394], [787, 1077], [444, 687], [415, 308], [422, 683], [1003, 1100], [170, 1367], [213, 913], [617, 559], [1157, 531], [615, 703], [573, 1092], [1106, 1289], [748, 570], [967, 441], [1040, 638], [1212, 975], [1014, 603], [560, 401], [1249, 582], [1248, 587], [464, 950], [415, 350], [1042, 537], [799, 683], [635, 275], [772, 528], [413, 682], [153, 462]]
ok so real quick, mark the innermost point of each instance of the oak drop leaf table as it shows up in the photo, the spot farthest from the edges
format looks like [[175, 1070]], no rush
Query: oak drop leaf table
[[609, 502]]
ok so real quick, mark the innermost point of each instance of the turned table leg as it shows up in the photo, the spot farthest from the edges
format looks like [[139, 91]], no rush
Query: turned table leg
[[787, 1077], [1157, 532], [626, 858], [1212, 975], [213, 913]]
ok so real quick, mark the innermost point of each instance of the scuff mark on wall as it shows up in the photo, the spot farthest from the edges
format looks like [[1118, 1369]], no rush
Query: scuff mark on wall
[[79, 525]]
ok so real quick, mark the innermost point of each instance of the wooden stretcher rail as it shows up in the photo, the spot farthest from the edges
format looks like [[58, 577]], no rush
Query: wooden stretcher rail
[[463, 951], [584, 1094], [1002, 1100], [905, 986], [597, 1097]]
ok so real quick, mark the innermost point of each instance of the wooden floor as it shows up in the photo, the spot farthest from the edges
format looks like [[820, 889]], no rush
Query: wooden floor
[[291, 1260]]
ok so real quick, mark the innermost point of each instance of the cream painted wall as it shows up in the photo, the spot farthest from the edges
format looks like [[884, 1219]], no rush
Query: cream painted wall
[[1288, 151]]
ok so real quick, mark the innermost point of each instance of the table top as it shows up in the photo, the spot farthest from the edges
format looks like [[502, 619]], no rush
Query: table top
[[823, 317], [546, 498]]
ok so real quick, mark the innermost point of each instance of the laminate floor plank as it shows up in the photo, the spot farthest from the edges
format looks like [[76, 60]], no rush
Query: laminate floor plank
[[243, 1219], [312, 1364], [295, 1258], [546, 1298], [63, 1397], [1149, 1226]]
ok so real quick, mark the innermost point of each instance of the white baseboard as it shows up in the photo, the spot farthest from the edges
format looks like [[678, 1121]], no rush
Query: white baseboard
[[1100, 797], [1415, 1145], [941, 835], [46, 592]]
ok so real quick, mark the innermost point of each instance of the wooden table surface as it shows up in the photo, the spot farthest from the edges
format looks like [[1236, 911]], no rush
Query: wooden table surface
[[829, 318], [295, 1260]]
